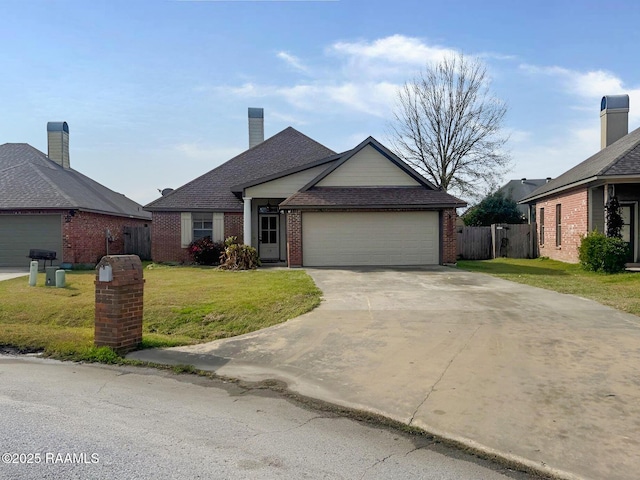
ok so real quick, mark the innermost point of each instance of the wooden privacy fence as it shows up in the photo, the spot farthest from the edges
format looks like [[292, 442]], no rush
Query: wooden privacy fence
[[498, 240], [137, 241], [474, 243]]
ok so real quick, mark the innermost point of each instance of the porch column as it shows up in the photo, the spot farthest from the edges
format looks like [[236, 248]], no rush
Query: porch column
[[247, 220]]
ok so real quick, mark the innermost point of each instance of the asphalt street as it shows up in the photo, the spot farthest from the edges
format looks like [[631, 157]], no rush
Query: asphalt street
[[66, 420]]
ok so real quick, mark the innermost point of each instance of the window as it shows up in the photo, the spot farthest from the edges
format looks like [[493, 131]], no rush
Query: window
[[202, 225], [542, 226], [558, 225]]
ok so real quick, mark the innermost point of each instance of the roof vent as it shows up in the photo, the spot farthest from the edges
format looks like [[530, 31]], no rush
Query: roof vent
[[58, 143], [522, 180], [256, 126], [614, 119]]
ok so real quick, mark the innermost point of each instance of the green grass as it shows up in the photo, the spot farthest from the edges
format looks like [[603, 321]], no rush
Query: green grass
[[182, 305], [620, 291]]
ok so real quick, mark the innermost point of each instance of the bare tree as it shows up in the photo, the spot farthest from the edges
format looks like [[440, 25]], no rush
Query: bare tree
[[448, 126]]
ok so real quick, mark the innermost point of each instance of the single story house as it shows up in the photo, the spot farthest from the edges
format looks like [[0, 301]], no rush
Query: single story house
[[300, 202], [573, 204], [518, 189], [45, 204]]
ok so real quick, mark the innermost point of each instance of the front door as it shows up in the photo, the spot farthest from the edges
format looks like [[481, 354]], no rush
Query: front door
[[269, 237], [629, 229]]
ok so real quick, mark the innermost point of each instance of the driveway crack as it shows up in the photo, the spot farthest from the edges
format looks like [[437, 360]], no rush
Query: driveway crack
[[433, 387]]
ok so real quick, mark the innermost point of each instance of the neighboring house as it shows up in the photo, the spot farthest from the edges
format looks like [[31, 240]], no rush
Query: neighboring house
[[568, 207], [45, 204], [519, 189], [299, 202]]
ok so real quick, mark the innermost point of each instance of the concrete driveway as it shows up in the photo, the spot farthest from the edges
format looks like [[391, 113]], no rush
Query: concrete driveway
[[7, 273], [546, 379]]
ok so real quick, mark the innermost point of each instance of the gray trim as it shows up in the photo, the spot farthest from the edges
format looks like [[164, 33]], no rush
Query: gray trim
[[598, 178], [430, 207]]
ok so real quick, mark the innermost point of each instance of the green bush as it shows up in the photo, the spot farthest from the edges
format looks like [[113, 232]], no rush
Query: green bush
[[204, 251], [599, 253], [238, 257]]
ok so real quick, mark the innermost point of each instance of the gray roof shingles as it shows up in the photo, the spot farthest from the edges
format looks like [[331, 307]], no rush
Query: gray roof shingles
[[372, 197], [29, 180], [619, 158], [517, 189], [284, 151]]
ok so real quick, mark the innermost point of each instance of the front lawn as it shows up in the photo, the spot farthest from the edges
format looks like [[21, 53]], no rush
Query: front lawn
[[182, 305], [621, 291]]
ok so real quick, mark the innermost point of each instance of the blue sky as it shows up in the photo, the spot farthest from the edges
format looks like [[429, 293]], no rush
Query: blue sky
[[156, 92]]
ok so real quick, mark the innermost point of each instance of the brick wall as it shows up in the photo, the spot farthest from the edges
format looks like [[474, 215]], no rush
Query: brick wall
[[83, 235], [294, 238], [573, 222], [234, 225], [166, 236], [449, 236], [166, 239], [119, 303]]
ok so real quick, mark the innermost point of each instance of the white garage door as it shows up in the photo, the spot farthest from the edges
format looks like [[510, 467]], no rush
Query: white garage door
[[370, 238], [20, 233]]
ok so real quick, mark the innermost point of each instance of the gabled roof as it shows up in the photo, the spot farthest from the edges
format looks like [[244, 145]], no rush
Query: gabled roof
[[372, 197], [425, 195], [344, 157], [621, 158], [517, 189], [283, 152], [29, 180]]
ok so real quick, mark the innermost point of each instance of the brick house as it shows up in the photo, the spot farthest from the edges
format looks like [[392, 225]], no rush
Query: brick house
[[571, 205], [45, 204], [300, 203]]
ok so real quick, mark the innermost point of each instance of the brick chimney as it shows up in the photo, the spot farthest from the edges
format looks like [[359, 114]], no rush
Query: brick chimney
[[58, 143], [256, 126], [614, 119]]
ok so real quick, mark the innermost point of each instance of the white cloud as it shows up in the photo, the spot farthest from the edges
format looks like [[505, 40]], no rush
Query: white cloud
[[589, 87], [293, 61], [393, 49], [373, 98]]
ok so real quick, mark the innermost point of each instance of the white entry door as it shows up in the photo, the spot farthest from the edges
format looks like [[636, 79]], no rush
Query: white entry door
[[269, 237]]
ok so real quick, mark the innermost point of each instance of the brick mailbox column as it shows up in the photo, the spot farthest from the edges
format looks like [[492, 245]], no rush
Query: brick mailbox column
[[119, 293]]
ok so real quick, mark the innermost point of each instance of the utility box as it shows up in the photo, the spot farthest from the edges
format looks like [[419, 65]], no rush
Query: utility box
[[119, 301], [50, 276]]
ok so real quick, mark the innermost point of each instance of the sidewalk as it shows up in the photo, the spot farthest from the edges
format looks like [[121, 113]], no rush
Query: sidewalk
[[548, 380]]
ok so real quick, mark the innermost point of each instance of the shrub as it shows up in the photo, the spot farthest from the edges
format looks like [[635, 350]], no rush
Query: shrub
[[614, 218], [204, 251], [599, 253], [238, 257]]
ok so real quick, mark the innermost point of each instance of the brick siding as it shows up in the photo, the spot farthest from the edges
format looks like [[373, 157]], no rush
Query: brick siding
[[449, 236], [166, 236], [119, 304], [234, 225], [84, 239], [574, 224], [294, 238], [166, 239]]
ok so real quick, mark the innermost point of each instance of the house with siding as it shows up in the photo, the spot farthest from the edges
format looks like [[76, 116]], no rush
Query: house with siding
[[573, 204], [45, 204], [301, 203]]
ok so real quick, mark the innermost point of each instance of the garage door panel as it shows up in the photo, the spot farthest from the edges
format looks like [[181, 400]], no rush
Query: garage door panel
[[370, 238], [20, 233]]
